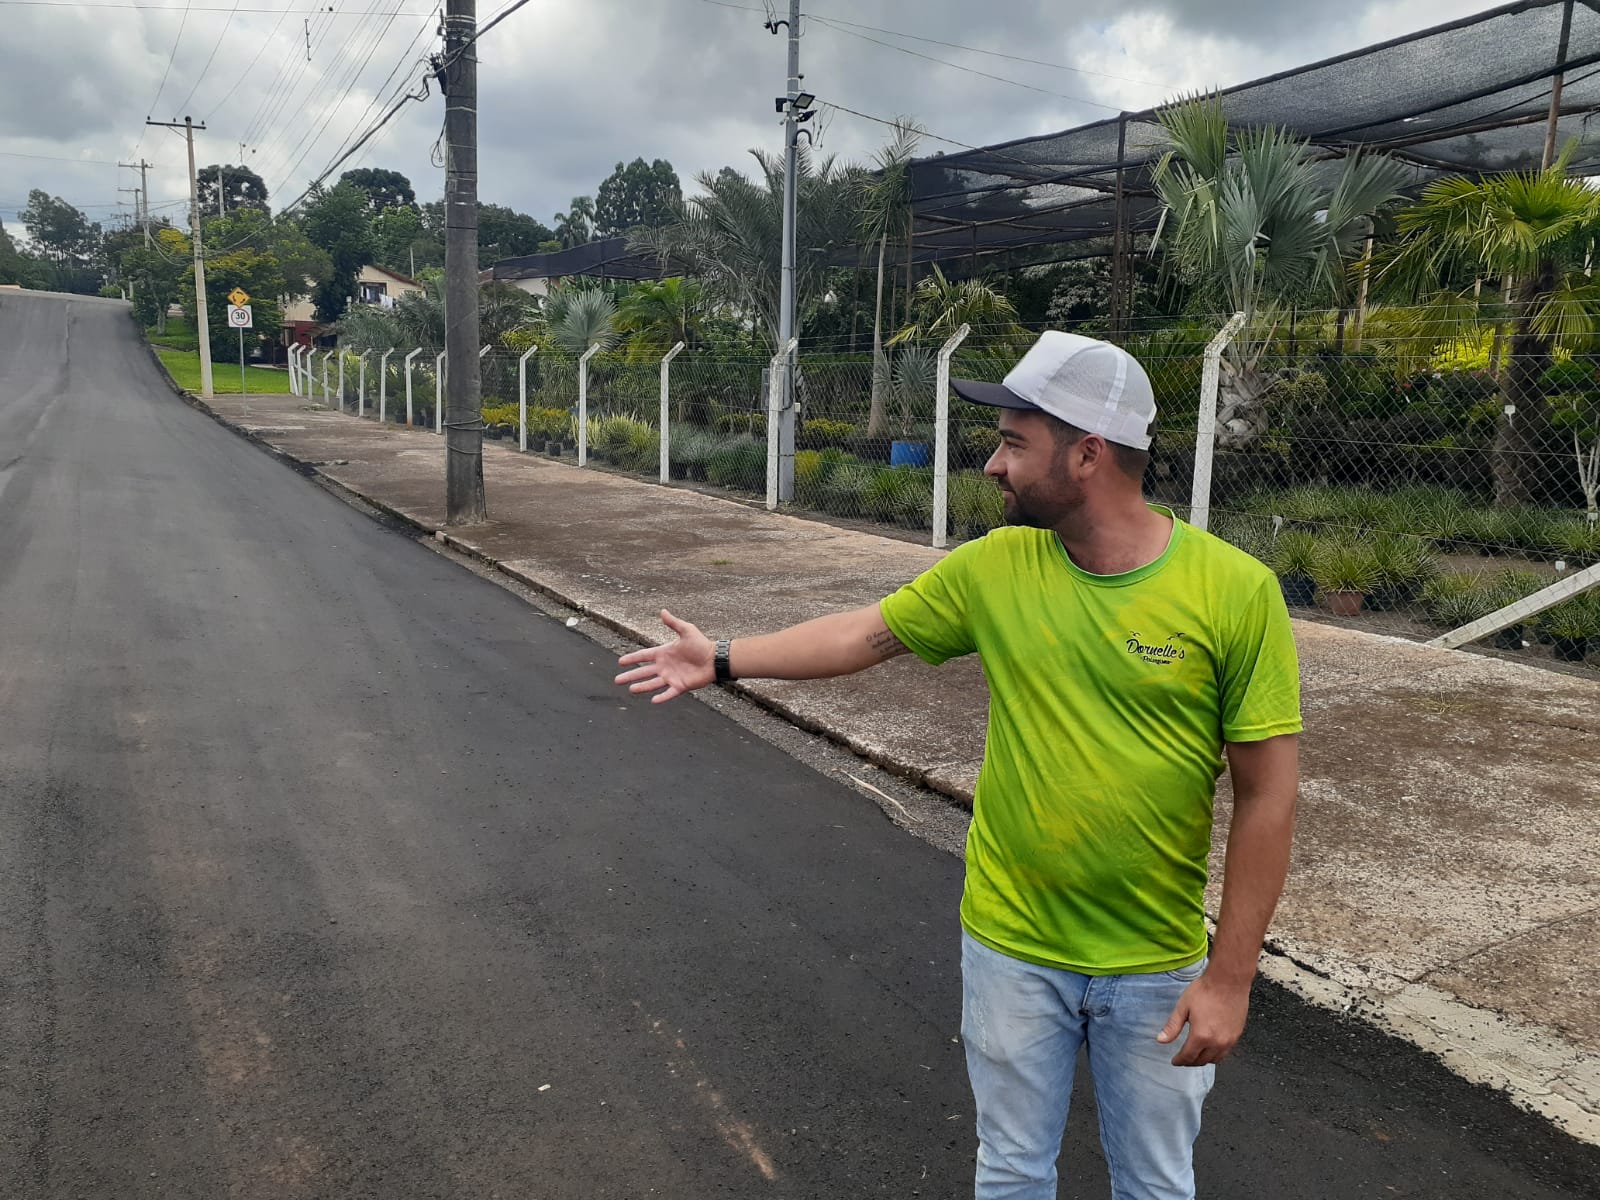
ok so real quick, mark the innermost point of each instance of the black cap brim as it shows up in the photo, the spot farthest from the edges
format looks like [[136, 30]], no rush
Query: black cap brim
[[995, 395]]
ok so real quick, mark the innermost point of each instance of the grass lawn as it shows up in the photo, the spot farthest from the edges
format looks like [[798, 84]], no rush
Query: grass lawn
[[259, 381]]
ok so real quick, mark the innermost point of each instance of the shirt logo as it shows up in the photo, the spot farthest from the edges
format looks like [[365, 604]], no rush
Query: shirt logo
[[1160, 654]]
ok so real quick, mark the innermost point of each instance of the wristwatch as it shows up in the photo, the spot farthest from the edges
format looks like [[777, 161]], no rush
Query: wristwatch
[[723, 664]]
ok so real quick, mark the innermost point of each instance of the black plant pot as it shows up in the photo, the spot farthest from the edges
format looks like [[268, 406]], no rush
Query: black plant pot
[[553, 449], [1298, 591], [1392, 598], [1573, 650], [678, 470], [1508, 639]]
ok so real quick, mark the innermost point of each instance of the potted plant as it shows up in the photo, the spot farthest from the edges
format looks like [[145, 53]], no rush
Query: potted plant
[[1508, 587], [1291, 558], [1345, 571], [1573, 625], [1404, 566]]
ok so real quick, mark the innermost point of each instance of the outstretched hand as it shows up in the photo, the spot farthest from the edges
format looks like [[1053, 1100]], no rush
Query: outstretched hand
[[672, 668]]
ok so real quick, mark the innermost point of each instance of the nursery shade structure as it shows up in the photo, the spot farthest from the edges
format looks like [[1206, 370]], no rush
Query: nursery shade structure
[[1471, 97]]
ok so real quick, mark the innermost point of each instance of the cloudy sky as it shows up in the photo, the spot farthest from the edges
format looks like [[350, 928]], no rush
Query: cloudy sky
[[569, 87]]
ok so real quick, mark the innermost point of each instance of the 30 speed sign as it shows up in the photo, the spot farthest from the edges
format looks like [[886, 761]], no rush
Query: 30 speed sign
[[239, 316]]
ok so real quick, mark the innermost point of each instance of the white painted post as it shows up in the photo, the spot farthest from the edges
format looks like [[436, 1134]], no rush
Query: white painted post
[[341, 380], [941, 440], [361, 386], [775, 393], [1521, 610], [409, 358], [1205, 438], [326, 358], [665, 430], [438, 390], [294, 376], [583, 403], [439, 416], [383, 387], [522, 397]]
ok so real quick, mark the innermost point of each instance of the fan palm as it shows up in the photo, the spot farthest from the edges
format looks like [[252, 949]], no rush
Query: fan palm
[[731, 236], [1252, 220], [578, 318], [1536, 229], [659, 314], [885, 206]]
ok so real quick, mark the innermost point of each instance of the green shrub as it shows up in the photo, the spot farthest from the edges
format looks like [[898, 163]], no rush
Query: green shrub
[[692, 447], [1344, 565], [1573, 619], [1293, 553], [738, 463], [549, 424], [904, 496], [1403, 561], [978, 444], [502, 414], [976, 504], [1510, 585], [844, 489], [1452, 601], [1576, 541], [1252, 534], [807, 470], [822, 432]]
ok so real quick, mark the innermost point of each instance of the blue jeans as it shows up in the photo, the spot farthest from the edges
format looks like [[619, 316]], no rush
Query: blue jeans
[[1023, 1025]]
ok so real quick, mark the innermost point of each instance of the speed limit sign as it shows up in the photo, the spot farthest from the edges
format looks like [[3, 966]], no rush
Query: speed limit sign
[[239, 316]]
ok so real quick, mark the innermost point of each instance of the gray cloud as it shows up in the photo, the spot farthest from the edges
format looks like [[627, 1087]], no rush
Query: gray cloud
[[569, 87]]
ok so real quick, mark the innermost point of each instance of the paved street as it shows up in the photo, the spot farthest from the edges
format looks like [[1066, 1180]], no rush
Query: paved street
[[330, 869]]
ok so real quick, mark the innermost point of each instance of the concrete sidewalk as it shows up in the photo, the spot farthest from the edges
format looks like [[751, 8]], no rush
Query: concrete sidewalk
[[1446, 875]]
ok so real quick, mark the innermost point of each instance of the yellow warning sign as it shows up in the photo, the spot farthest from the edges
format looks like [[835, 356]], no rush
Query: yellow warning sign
[[238, 296]]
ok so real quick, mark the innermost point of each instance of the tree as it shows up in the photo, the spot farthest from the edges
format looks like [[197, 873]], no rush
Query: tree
[[260, 274], [505, 233], [885, 207], [384, 189], [16, 267], [156, 274], [731, 236], [580, 317], [940, 306], [336, 221], [575, 226], [67, 241], [639, 195], [417, 318], [240, 188], [1253, 221], [1536, 230], [661, 313]]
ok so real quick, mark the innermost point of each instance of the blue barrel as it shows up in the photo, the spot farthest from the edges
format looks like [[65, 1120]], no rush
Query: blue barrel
[[910, 454]]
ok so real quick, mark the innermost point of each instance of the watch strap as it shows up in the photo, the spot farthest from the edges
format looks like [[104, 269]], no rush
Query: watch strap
[[723, 661]]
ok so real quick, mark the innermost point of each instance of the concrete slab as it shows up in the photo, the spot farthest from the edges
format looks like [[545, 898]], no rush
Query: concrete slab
[[1449, 839]]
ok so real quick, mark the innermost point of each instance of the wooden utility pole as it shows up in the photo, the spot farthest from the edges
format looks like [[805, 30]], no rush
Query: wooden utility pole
[[144, 195], [204, 329], [464, 500]]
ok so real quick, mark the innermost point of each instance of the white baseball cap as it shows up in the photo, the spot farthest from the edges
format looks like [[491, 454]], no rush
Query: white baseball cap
[[1093, 385]]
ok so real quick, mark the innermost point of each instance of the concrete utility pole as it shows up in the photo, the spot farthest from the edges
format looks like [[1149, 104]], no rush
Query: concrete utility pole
[[791, 108], [204, 330], [464, 499], [144, 195]]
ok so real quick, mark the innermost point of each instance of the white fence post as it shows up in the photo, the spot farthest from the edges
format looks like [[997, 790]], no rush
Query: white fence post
[[775, 394], [326, 357], [666, 417], [409, 358], [438, 417], [941, 440], [361, 385], [294, 376], [438, 390], [341, 378], [1205, 437], [583, 403], [522, 397], [1521, 610], [383, 387]]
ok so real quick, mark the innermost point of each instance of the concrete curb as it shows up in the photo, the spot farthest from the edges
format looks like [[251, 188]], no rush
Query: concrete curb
[[1537, 1070]]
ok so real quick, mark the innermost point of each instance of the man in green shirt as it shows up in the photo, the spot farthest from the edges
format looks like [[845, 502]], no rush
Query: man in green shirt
[[1126, 652]]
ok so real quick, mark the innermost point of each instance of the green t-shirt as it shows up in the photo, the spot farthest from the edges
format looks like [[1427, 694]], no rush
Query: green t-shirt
[[1111, 697]]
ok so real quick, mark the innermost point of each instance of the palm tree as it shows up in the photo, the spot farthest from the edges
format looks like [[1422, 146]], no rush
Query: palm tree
[[1252, 221], [731, 235], [1536, 229], [580, 317], [885, 204], [575, 226], [659, 314], [940, 306]]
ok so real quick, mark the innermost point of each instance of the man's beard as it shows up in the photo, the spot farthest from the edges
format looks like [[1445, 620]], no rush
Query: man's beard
[[1033, 509]]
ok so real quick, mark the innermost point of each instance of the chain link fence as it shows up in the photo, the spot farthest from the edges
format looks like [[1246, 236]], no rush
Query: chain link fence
[[1409, 484]]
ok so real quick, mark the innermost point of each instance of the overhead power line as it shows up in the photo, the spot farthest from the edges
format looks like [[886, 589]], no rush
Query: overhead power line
[[210, 58], [133, 4], [171, 58]]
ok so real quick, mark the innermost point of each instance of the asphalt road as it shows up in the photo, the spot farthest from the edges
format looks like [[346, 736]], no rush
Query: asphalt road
[[329, 869]]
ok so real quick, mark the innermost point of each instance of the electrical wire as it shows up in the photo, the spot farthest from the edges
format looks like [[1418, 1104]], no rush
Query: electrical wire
[[211, 58], [288, 12], [242, 75], [171, 58], [377, 95]]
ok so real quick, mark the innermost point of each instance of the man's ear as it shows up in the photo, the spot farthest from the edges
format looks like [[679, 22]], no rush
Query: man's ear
[[1093, 453]]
